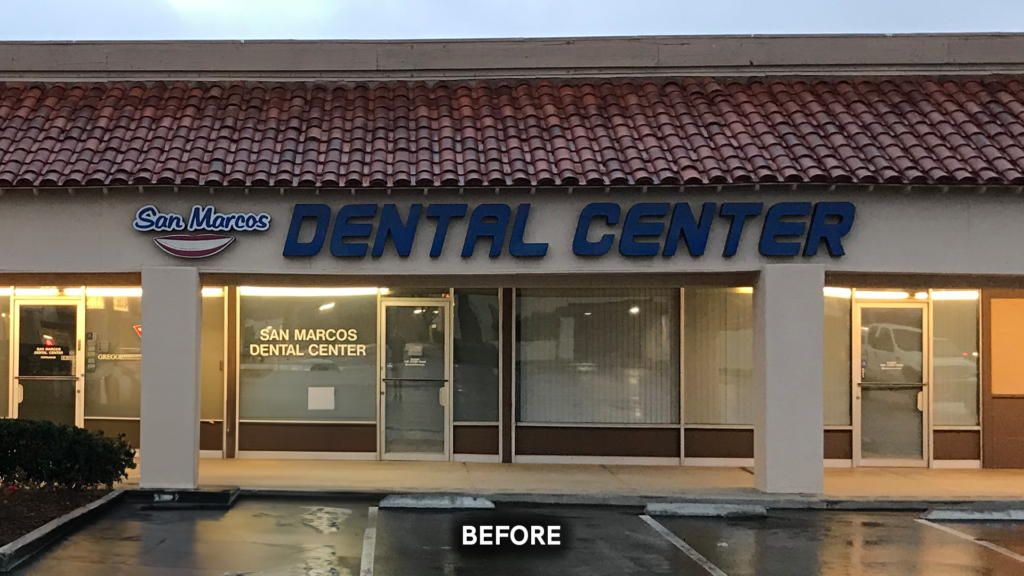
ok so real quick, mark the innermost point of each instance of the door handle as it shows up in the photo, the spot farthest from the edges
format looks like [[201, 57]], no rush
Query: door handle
[[920, 397], [440, 395], [21, 393]]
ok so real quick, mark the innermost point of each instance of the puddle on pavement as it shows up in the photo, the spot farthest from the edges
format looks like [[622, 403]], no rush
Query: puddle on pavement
[[325, 520], [315, 560], [319, 561]]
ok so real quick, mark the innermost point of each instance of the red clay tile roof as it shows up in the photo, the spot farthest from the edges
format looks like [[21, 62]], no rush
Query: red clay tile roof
[[901, 130]]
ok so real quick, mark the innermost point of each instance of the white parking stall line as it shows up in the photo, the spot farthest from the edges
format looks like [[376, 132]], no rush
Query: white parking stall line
[[686, 548], [369, 543], [968, 537]]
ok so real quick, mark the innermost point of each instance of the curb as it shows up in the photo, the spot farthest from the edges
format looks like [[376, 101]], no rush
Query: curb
[[705, 510], [358, 495], [17, 552], [639, 502], [218, 498], [767, 502], [436, 502], [974, 515]]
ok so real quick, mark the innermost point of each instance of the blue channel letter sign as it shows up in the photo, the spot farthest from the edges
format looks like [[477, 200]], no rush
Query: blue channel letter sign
[[646, 229]]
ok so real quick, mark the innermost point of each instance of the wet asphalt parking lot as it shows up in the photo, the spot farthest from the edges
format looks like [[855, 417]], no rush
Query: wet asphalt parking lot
[[325, 537]]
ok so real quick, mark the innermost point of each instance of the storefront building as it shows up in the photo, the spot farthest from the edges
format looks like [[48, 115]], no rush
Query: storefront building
[[787, 253]]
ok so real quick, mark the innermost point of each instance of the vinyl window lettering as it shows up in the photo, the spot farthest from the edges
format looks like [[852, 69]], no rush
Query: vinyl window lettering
[[308, 354], [113, 355]]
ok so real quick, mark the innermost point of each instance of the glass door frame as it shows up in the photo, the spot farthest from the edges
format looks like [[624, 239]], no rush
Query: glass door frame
[[926, 388], [79, 371], [448, 306]]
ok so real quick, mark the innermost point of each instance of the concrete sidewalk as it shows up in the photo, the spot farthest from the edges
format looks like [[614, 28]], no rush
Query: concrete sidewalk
[[598, 483]]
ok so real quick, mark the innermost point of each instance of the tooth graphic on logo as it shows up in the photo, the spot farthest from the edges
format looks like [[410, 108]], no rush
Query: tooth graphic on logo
[[193, 245], [204, 221]]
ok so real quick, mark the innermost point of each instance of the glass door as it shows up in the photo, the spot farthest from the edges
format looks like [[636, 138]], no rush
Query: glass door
[[415, 376], [891, 384], [48, 364]]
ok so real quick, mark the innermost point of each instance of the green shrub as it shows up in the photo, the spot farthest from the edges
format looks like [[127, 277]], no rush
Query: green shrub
[[36, 454]]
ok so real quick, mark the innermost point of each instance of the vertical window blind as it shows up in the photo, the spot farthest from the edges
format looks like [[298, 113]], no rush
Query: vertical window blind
[[837, 365], [476, 356], [955, 360], [719, 356], [597, 356]]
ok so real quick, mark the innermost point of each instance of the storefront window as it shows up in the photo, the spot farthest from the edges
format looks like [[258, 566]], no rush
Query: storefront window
[[308, 354], [211, 405], [955, 357], [113, 352], [719, 350], [597, 356], [5, 350], [837, 356], [476, 355]]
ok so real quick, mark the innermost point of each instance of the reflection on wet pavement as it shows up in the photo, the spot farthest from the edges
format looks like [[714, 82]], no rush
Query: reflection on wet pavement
[[320, 561], [324, 537], [325, 520], [266, 537], [837, 544]]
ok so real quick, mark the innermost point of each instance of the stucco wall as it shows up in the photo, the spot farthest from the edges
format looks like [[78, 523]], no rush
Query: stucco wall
[[926, 232], [645, 56]]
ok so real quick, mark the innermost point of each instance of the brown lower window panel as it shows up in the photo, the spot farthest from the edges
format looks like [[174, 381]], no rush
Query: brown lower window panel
[[719, 443], [475, 439], [839, 444], [956, 445], [130, 428], [288, 437], [211, 435], [586, 441]]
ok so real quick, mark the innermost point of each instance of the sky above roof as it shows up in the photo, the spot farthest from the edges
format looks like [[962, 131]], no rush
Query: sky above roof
[[407, 19]]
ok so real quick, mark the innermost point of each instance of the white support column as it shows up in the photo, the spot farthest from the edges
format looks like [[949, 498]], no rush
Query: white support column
[[171, 322], [788, 375]]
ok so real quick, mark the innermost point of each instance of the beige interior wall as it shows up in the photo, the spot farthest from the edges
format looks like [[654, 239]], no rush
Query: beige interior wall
[[1007, 346]]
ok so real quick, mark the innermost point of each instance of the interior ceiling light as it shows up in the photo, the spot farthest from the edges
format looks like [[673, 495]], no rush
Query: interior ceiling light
[[38, 292], [881, 295], [838, 292], [955, 295], [112, 291], [271, 291]]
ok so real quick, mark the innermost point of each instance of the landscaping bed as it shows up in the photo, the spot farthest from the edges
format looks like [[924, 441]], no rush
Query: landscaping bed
[[23, 511], [48, 470]]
